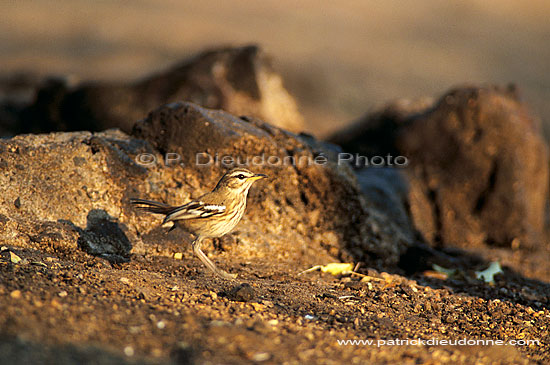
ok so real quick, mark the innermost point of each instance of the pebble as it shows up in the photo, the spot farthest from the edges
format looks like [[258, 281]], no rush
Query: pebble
[[242, 293], [129, 351], [261, 356]]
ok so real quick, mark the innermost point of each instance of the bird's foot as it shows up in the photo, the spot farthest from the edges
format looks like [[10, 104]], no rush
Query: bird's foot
[[225, 274]]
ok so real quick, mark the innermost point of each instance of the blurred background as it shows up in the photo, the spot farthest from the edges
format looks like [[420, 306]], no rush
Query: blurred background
[[339, 59]]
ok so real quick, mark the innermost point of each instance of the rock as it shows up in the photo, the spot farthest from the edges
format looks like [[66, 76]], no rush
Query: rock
[[314, 202], [375, 133], [242, 293], [58, 193], [75, 190], [386, 190], [478, 165], [239, 80], [17, 92]]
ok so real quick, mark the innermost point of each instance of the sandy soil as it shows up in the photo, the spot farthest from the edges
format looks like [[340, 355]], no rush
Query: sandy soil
[[69, 307]]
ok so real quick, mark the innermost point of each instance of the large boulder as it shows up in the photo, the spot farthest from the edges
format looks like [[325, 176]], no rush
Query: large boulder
[[17, 92], [238, 80], [310, 203], [478, 165], [69, 192]]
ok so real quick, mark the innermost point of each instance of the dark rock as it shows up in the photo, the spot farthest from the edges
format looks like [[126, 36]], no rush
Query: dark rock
[[386, 189], [239, 80], [48, 113], [242, 293], [17, 92], [478, 165]]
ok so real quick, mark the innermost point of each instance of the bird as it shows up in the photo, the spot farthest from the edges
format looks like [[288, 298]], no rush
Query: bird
[[212, 215]]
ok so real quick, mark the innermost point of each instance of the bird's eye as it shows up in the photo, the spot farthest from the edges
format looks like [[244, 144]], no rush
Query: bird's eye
[[240, 176]]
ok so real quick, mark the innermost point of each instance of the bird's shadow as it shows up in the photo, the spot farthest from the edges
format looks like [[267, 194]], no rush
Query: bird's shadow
[[103, 237]]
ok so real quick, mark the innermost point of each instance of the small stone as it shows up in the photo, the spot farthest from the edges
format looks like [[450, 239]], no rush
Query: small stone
[[17, 203], [178, 256], [258, 307], [56, 304], [261, 356], [218, 323], [129, 351], [161, 325], [79, 161], [16, 294], [38, 303], [353, 285], [63, 294], [242, 293]]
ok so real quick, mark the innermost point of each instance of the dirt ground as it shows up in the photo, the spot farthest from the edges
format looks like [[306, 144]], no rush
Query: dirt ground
[[69, 307]]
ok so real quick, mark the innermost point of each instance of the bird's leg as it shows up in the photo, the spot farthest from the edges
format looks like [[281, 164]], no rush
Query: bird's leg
[[197, 250]]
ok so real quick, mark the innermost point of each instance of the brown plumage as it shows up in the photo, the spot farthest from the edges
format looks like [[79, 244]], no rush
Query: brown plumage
[[212, 215]]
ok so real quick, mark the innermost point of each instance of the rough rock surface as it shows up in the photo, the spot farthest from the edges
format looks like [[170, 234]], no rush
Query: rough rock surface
[[386, 189], [478, 168], [238, 80], [71, 189], [309, 193]]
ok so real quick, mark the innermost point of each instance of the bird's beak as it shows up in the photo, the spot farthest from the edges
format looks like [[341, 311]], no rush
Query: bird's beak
[[258, 177]]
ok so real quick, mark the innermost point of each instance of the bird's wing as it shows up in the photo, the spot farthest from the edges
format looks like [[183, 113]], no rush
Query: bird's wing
[[195, 209]]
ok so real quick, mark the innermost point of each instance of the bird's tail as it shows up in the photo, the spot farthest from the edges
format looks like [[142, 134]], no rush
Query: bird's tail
[[152, 206]]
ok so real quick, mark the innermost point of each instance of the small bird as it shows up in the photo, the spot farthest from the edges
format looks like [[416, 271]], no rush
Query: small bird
[[212, 215]]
